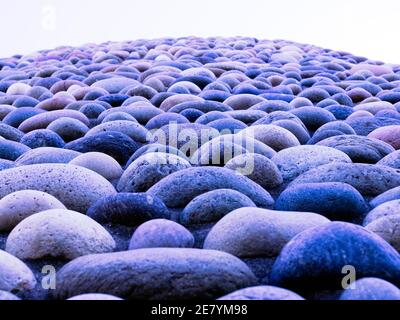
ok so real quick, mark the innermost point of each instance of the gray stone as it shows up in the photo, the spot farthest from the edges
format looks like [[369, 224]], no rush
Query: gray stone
[[58, 233], [253, 232], [19, 205], [76, 187], [180, 273], [15, 275]]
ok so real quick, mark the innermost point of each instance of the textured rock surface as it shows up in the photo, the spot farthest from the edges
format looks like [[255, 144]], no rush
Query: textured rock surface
[[60, 234], [259, 232], [115, 131], [180, 274], [76, 187]]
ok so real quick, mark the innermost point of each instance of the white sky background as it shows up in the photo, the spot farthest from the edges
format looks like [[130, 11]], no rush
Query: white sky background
[[364, 27]]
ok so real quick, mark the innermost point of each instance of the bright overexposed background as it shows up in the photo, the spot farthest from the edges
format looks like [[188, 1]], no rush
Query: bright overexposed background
[[363, 27]]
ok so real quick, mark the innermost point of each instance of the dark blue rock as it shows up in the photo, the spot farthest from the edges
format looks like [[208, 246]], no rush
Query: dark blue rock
[[10, 133], [340, 112], [16, 117], [92, 110], [313, 117], [334, 200], [25, 101], [114, 100], [42, 138], [129, 209], [191, 114], [115, 144], [6, 164], [11, 150], [228, 125], [315, 258]]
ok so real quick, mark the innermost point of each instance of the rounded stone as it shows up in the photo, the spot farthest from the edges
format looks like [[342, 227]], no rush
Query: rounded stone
[[371, 289], [19, 205], [130, 209], [76, 187], [258, 168], [11, 150], [391, 160], [388, 134], [165, 119], [368, 179], [388, 208], [92, 110], [42, 120], [149, 169], [133, 130], [389, 195], [377, 70], [334, 200], [185, 137], [177, 190], [317, 257], [15, 276], [68, 129], [276, 137], [18, 88], [227, 126], [298, 130], [180, 274], [374, 107], [358, 148], [6, 164], [322, 135], [115, 84], [387, 227], [315, 95], [42, 138], [142, 111], [58, 233], [262, 293], [259, 232], [115, 144], [243, 101], [7, 296], [155, 147], [294, 161], [10, 133], [46, 155], [213, 205], [94, 296], [161, 233], [101, 163], [313, 117], [117, 116], [365, 125], [217, 152]]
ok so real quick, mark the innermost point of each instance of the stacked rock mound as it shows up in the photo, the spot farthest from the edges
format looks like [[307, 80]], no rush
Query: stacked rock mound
[[190, 168]]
